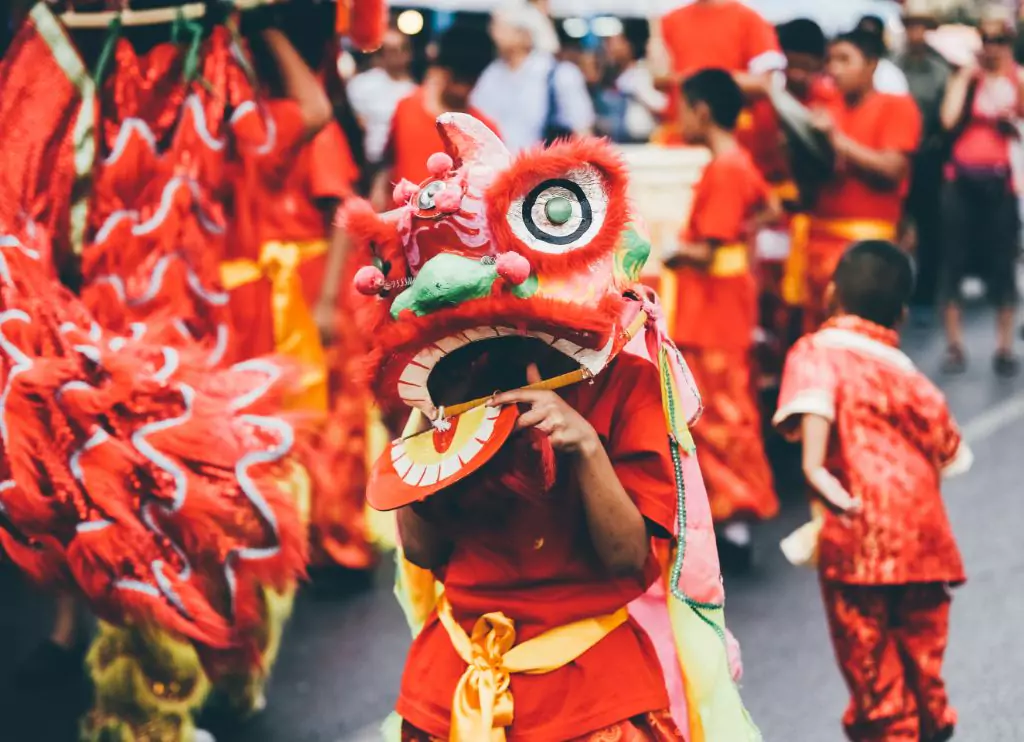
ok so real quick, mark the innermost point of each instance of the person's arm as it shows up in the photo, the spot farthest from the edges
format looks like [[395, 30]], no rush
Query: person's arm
[[326, 310], [955, 98], [617, 528], [300, 83], [815, 432], [887, 166], [423, 543]]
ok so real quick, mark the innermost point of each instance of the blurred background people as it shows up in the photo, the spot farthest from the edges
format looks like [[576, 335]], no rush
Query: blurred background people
[[374, 94], [889, 78], [551, 97], [629, 104], [979, 214], [927, 75]]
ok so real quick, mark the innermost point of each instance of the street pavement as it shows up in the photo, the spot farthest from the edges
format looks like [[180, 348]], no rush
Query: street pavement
[[342, 658]]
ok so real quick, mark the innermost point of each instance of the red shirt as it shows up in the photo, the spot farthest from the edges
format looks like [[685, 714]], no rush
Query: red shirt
[[881, 122], [414, 138], [892, 438], [711, 311], [530, 556]]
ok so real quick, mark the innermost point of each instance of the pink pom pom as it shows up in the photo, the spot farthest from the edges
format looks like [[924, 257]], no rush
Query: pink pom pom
[[449, 201], [404, 191], [369, 280], [439, 164], [513, 267]]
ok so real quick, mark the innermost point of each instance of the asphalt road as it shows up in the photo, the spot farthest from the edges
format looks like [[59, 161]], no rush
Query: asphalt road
[[343, 655]]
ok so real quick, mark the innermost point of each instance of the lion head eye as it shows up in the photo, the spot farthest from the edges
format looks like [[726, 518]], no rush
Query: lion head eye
[[561, 214], [427, 195]]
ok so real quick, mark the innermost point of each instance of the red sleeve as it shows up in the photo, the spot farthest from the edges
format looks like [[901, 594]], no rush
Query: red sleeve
[[332, 170], [638, 442], [808, 387], [954, 455], [721, 211], [903, 133]]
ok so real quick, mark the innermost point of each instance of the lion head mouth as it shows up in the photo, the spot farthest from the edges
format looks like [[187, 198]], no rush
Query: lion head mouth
[[475, 363]]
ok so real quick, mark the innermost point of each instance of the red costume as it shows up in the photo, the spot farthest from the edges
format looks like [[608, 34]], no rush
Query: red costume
[[851, 207], [884, 569], [716, 314], [532, 637]]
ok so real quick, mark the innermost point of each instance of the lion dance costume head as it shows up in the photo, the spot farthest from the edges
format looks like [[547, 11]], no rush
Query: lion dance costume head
[[495, 261]]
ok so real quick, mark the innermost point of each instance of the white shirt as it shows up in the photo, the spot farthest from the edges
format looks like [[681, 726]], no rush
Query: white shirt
[[890, 79], [517, 99], [374, 95]]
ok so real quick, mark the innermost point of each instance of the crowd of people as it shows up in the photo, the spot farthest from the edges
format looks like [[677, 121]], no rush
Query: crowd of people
[[230, 193]]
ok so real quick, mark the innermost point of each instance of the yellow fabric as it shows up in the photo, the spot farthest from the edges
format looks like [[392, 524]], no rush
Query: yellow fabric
[[295, 331], [668, 292], [729, 261], [801, 546], [482, 706], [794, 280], [794, 277], [381, 525], [854, 230]]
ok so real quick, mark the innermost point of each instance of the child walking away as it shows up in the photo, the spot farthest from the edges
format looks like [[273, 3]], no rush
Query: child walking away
[[716, 311], [877, 437]]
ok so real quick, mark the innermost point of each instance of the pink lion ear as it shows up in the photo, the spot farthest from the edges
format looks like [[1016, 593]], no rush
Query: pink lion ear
[[468, 140]]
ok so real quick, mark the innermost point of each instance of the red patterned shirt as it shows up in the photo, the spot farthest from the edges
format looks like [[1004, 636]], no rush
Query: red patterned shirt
[[893, 438]]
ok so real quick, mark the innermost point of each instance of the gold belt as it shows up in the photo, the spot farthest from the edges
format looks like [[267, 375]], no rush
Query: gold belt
[[295, 332], [482, 704], [854, 230]]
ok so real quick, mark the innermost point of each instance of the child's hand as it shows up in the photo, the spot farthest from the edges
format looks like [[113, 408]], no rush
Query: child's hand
[[696, 254], [567, 429], [831, 491]]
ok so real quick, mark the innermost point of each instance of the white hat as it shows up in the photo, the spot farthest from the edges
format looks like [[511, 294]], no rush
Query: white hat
[[526, 17]]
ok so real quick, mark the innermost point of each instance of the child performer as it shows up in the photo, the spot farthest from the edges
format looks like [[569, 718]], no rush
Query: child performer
[[716, 311], [873, 135], [877, 436]]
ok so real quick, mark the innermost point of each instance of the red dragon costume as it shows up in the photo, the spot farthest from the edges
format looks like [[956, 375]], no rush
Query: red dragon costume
[[160, 489], [537, 254]]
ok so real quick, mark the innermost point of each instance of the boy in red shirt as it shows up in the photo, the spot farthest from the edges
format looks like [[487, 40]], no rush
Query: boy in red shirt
[[716, 308], [461, 58], [873, 135], [877, 437]]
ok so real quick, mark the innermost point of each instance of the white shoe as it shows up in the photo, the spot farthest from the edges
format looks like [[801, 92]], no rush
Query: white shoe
[[259, 704], [201, 735]]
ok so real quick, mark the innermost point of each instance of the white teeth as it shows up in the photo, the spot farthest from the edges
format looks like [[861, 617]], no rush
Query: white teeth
[[412, 384], [470, 450], [415, 375], [431, 475], [415, 474], [566, 347], [449, 467], [595, 360], [402, 464]]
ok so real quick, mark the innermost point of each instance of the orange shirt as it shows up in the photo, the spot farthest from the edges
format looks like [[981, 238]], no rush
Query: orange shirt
[[881, 122], [728, 35], [893, 437], [530, 556], [720, 312], [414, 138]]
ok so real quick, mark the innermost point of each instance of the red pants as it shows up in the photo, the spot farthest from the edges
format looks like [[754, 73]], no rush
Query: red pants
[[889, 641]]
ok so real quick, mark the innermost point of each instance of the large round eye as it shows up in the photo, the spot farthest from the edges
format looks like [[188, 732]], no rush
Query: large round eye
[[561, 214], [425, 200]]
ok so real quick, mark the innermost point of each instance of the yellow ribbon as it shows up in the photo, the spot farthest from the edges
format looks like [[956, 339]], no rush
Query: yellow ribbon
[[729, 261], [482, 706], [794, 279], [295, 332]]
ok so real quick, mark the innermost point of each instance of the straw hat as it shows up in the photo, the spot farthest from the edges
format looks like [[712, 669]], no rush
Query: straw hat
[[920, 11]]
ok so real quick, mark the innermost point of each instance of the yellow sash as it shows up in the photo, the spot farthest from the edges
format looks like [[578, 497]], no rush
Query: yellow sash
[[482, 705], [802, 227], [295, 331], [729, 260]]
